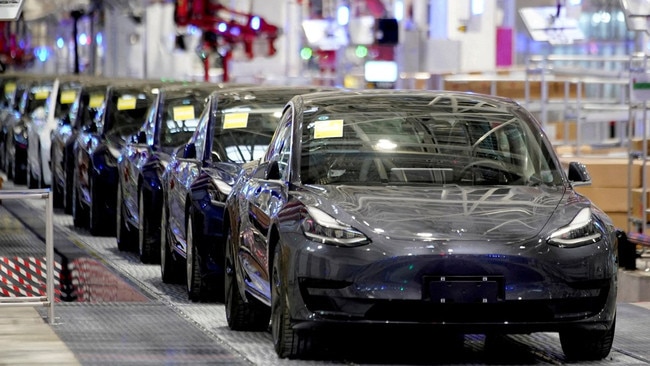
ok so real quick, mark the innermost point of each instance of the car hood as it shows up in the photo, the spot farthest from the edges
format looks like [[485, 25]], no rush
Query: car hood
[[442, 213]]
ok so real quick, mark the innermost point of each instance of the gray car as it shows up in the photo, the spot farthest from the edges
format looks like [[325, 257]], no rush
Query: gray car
[[442, 210]]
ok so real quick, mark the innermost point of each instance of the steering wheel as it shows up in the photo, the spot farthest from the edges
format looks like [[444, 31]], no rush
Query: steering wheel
[[490, 166]]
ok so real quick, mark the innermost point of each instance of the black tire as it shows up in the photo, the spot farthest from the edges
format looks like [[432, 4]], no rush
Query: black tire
[[195, 283], [79, 214], [125, 237], [32, 181], [587, 345], [97, 218], [69, 184], [57, 190], [6, 163], [288, 342], [19, 167], [147, 237], [241, 315], [168, 267]]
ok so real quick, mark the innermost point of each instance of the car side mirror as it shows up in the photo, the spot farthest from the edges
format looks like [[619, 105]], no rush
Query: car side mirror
[[578, 174], [189, 151], [273, 171], [141, 137]]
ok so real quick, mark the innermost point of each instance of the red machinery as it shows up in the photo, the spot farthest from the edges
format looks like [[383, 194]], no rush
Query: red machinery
[[222, 26], [12, 53]]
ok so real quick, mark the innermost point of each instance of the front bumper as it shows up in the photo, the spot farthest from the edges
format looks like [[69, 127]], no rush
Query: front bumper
[[517, 290]]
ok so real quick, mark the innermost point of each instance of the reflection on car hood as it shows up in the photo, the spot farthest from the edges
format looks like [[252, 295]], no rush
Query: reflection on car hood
[[444, 213]]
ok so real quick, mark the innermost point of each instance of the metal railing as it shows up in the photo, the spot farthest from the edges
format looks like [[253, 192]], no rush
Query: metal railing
[[48, 299]]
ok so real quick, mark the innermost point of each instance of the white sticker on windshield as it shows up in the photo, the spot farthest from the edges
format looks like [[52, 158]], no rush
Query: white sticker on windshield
[[235, 120], [328, 129]]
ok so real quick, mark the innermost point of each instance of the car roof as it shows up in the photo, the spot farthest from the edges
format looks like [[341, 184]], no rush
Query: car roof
[[346, 94]]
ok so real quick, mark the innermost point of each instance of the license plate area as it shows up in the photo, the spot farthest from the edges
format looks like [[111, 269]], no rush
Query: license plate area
[[464, 289]]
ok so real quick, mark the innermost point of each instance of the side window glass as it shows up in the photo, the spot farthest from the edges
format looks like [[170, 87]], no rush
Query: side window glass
[[283, 148], [199, 135], [150, 123]]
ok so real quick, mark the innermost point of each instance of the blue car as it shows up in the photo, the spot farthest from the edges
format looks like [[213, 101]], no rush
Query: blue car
[[83, 110], [170, 123], [96, 150], [235, 129]]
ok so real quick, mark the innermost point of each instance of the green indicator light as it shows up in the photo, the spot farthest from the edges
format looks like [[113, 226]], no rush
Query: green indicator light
[[306, 53], [361, 51]]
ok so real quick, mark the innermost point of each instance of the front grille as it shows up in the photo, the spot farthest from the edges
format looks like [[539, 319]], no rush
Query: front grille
[[425, 311]]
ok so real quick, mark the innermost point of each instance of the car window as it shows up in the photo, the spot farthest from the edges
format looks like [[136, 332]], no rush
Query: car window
[[244, 135], [65, 99], [127, 111], [442, 144], [201, 132], [180, 119]]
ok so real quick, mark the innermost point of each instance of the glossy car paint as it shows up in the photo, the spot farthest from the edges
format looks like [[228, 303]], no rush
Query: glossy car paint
[[196, 183], [32, 109], [82, 111], [468, 258], [143, 160], [40, 130], [96, 150]]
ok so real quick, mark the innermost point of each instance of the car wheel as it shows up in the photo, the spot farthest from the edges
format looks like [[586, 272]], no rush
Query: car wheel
[[57, 190], [288, 342], [79, 215], [32, 181], [19, 167], [587, 345], [241, 315], [97, 217], [124, 236], [67, 189], [168, 268], [195, 283], [146, 244]]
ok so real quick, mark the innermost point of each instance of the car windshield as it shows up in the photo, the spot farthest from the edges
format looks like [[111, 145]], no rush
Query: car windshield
[[37, 97], [127, 111], [243, 135], [180, 118], [67, 96], [448, 140]]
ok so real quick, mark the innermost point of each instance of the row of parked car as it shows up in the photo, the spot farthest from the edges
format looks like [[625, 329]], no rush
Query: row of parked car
[[308, 207]]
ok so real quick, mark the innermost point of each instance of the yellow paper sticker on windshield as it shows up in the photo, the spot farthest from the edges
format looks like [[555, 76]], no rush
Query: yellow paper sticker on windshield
[[96, 100], [10, 88], [41, 94], [328, 129], [68, 96], [235, 120], [126, 103], [184, 113]]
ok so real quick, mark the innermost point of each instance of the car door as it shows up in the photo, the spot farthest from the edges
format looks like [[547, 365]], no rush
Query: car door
[[186, 169], [134, 156], [264, 194]]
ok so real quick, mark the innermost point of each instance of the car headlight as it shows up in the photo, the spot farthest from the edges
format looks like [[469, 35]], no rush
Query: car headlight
[[218, 192], [323, 228], [20, 134], [580, 231], [114, 151]]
